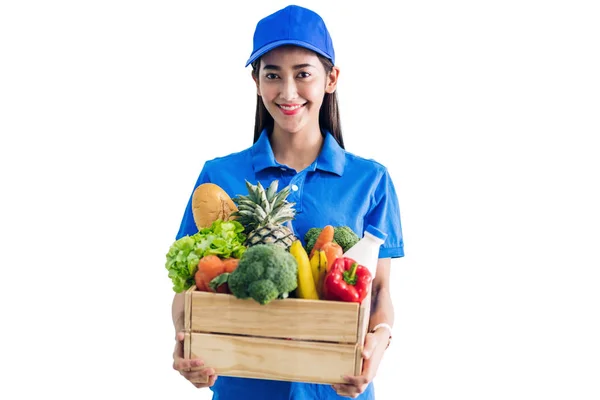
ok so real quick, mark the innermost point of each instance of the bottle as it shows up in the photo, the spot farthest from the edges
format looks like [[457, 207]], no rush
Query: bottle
[[366, 250]]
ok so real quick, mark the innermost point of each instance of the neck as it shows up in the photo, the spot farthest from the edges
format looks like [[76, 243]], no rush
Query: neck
[[298, 149]]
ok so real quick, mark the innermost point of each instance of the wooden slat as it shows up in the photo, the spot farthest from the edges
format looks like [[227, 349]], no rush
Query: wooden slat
[[276, 359], [187, 314], [363, 325], [330, 321]]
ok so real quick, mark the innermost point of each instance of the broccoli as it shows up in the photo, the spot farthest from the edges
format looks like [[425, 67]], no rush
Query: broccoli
[[311, 237], [345, 237], [342, 235], [265, 272]]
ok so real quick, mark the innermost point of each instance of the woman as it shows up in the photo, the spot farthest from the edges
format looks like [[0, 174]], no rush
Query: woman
[[298, 141]]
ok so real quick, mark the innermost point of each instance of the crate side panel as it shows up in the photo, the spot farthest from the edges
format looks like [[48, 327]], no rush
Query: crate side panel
[[276, 359], [318, 320], [363, 326]]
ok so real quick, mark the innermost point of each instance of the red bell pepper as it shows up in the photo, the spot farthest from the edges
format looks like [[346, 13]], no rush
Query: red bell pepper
[[347, 281]]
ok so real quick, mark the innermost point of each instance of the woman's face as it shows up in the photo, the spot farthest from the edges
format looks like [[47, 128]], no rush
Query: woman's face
[[292, 83]]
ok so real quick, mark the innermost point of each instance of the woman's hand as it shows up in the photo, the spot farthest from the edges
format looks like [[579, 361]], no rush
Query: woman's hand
[[192, 369], [375, 345]]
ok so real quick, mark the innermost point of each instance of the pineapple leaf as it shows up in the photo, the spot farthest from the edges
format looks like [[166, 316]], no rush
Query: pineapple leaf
[[245, 213], [272, 190], [263, 199], [252, 195]]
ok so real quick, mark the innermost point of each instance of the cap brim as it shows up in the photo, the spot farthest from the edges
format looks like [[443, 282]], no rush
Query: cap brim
[[268, 47]]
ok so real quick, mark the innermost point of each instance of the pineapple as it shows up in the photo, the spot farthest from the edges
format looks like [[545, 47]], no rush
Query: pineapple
[[263, 213]]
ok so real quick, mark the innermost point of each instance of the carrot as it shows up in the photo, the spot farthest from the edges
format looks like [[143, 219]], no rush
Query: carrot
[[325, 236], [230, 264], [200, 283], [209, 268], [332, 251]]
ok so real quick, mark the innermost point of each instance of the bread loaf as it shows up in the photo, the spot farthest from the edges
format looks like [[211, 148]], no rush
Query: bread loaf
[[209, 203]]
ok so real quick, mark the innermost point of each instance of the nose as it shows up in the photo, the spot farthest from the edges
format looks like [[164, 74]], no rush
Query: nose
[[289, 91]]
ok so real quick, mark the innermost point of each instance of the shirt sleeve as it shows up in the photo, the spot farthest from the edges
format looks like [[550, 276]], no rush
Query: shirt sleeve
[[385, 215], [188, 225]]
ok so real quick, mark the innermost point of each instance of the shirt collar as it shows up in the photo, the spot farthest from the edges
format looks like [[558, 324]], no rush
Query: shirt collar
[[262, 153], [332, 157]]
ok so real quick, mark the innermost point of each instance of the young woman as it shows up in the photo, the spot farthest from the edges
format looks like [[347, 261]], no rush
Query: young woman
[[298, 141]]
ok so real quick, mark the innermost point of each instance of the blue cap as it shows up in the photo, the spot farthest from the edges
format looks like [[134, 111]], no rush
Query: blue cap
[[376, 232], [292, 25]]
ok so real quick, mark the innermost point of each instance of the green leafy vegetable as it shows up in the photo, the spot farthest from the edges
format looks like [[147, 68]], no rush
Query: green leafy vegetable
[[264, 273], [224, 239]]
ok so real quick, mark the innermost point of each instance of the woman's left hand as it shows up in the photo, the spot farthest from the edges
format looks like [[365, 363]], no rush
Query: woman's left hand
[[375, 345]]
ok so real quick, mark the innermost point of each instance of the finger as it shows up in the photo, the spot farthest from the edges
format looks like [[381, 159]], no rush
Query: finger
[[345, 390], [180, 336], [350, 390], [211, 381], [357, 381], [183, 364], [201, 376]]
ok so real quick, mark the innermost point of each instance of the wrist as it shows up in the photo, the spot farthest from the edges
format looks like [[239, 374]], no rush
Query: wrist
[[384, 331]]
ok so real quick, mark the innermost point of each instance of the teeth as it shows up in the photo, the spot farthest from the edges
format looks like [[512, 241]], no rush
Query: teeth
[[291, 108]]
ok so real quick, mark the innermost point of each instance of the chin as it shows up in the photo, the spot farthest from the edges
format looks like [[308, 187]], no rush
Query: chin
[[291, 128]]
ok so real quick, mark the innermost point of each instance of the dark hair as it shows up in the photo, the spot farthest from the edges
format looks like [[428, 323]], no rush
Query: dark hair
[[329, 114]]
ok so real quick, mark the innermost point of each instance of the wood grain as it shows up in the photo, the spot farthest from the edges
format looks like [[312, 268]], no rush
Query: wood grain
[[364, 316], [187, 312], [329, 321], [277, 359]]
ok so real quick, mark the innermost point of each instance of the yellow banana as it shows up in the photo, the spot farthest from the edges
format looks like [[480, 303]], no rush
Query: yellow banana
[[314, 267], [323, 268], [306, 284]]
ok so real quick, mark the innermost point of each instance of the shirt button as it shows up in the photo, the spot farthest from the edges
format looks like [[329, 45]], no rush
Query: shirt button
[[294, 188], [283, 169]]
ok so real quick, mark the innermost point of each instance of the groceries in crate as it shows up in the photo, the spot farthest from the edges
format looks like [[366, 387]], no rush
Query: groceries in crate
[[224, 239], [346, 280], [307, 288], [264, 273], [366, 250], [263, 214], [342, 235], [245, 248], [210, 273], [318, 266], [210, 203]]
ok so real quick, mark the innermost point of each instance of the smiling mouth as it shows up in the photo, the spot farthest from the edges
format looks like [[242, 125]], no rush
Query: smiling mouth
[[290, 107]]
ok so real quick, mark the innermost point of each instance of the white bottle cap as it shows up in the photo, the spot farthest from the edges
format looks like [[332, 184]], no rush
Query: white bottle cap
[[376, 232]]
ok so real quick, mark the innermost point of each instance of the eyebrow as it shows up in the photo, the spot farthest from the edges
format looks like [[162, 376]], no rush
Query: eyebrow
[[278, 68]]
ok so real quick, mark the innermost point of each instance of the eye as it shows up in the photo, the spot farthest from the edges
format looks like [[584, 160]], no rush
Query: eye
[[304, 74], [271, 76]]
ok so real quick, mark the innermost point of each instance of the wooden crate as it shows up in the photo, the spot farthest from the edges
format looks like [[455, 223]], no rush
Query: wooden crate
[[300, 340]]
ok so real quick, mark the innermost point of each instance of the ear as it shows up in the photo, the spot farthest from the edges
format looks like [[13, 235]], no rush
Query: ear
[[256, 82], [332, 79]]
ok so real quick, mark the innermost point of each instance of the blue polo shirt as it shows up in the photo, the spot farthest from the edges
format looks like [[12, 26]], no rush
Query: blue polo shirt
[[338, 188]]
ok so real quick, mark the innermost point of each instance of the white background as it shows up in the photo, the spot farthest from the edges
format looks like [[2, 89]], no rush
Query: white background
[[484, 112]]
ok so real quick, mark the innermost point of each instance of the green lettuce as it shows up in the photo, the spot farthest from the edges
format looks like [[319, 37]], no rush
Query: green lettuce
[[224, 239]]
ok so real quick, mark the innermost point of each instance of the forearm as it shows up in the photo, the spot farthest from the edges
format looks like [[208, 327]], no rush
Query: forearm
[[382, 309], [177, 311]]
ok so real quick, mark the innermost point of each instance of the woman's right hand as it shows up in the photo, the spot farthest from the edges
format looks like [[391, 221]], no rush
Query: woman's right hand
[[192, 369]]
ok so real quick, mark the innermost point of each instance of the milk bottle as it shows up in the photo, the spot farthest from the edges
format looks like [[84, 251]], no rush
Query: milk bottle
[[366, 250]]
